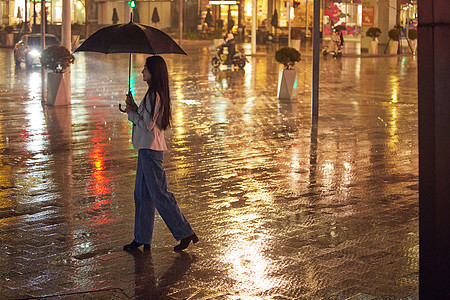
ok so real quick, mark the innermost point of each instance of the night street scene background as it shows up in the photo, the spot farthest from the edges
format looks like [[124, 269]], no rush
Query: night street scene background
[[286, 206]]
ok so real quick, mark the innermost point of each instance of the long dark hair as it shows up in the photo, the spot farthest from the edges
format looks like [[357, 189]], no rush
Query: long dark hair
[[159, 83]]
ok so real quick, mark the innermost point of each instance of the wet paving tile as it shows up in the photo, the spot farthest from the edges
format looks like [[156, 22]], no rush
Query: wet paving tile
[[286, 207]]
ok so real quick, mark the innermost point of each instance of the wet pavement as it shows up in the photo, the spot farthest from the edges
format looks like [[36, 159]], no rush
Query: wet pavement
[[285, 207]]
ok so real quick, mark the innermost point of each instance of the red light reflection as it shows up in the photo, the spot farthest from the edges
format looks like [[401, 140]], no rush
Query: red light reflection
[[100, 183]]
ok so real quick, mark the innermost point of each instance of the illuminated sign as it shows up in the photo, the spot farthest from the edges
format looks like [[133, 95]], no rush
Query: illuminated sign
[[368, 16], [224, 2]]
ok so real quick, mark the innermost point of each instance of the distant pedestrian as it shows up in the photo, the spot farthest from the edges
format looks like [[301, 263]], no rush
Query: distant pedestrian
[[219, 23], [208, 18], [150, 119]]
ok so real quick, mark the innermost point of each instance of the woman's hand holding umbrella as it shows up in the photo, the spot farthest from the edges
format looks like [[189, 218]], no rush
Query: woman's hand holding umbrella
[[131, 105]]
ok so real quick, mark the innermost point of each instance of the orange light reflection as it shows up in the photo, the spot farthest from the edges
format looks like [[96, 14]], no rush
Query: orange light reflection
[[100, 183]]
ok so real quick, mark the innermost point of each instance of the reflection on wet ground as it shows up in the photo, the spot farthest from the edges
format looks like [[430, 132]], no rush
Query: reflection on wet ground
[[285, 206]]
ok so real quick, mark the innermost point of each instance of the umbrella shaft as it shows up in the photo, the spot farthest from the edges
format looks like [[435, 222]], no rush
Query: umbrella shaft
[[129, 74]]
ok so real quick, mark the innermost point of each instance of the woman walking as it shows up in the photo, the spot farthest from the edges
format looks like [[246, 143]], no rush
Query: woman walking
[[150, 119]]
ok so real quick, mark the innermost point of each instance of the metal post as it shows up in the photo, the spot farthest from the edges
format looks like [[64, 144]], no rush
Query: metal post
[[43, 88], [181, 22], [26, 17], [254, 14], [289, 22], [316, 55], [66, 39], [34, 15], [86, 20], [306, 18]]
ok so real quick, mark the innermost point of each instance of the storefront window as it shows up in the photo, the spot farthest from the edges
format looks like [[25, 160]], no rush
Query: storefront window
[[261, 16], [346, 13], [408, 14], [79, 12]]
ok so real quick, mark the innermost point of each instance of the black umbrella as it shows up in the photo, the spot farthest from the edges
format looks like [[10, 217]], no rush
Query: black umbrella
[[115, 17], [274, 21], [340, 27], [130, 38], [155, 16]]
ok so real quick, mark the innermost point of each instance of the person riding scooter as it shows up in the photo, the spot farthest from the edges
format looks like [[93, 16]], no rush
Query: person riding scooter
[[231, 44]]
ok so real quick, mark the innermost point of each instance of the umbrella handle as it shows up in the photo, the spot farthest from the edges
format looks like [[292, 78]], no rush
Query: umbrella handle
[[120, 108]]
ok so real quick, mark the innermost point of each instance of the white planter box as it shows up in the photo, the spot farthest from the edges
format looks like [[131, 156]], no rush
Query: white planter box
[[57, 89], [287, 84], [10, 39], [296, 44], [373, 48], [413, 46], [393, 47]]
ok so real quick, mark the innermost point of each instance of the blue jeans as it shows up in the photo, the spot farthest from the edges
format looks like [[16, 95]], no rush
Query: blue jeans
[[150, 192]]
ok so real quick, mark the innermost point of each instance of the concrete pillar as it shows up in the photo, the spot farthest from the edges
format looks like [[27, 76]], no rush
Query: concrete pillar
[[180, 18], [126, 13], [66, 40], [254, 25], [270, 9], [434, 145], [316, 60], [386, 18]]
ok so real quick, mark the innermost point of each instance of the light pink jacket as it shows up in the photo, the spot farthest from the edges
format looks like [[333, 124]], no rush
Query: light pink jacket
[[146, 133]]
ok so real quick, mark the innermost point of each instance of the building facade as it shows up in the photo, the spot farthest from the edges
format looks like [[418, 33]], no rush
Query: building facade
[[272, 15]]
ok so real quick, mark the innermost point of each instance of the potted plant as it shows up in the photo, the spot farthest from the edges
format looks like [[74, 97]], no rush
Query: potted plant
[[374, 33], [9, 36], [412, 36], [57, 59], [287, 77], [394, 36]]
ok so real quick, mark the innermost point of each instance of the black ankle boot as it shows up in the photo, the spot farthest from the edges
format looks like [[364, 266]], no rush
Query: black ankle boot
[[135, 245], [185, 242]]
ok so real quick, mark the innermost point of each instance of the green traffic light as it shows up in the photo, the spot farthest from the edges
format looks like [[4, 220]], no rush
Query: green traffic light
[[132, 3]]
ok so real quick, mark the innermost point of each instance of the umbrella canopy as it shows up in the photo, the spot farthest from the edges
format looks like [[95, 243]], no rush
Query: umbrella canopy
[[274, 21], [340, 27], [130, 38], [155, 16], [115, 17]]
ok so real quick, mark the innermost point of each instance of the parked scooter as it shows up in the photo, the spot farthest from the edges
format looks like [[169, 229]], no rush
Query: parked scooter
[[238, 58]]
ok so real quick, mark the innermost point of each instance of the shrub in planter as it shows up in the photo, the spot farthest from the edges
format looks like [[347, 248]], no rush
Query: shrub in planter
[[57, 58], [412, 34], [373, 32], [287, 56], [394, 34], [287, 77]]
